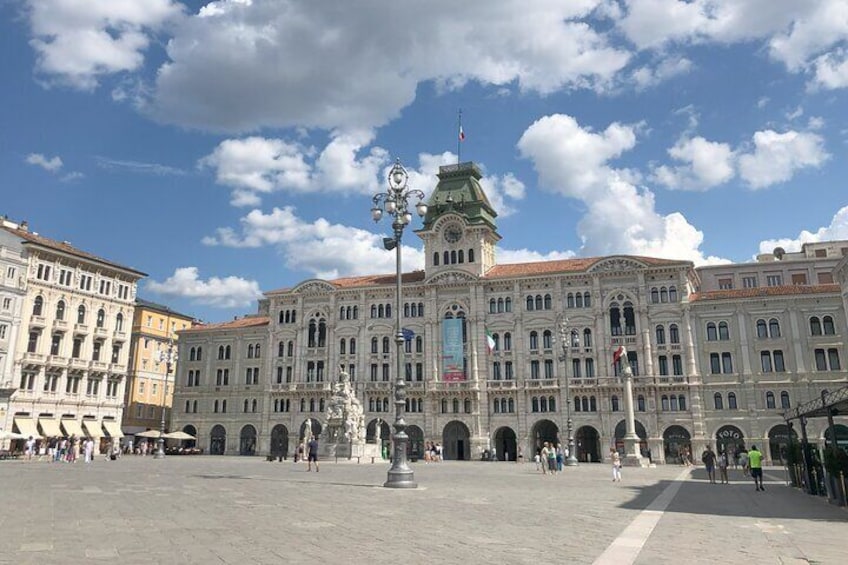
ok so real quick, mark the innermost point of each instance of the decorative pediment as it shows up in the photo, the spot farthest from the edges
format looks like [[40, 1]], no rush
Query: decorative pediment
[[616, 264], [314, 286], [452, 277]]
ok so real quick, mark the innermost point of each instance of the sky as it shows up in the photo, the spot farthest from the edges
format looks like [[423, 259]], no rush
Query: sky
[[230, 148]]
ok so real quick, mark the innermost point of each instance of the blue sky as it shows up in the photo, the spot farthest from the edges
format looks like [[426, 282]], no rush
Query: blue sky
[[231, 147]]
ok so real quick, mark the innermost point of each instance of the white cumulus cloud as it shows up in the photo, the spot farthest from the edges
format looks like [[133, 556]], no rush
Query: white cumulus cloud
[[776, 156], [706, 164], [837, 230], [78, 41], [52, 164], [575, 161], [226, 292]]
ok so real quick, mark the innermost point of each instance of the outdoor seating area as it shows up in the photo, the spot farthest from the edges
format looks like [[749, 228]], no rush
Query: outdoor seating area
[[176, 450]]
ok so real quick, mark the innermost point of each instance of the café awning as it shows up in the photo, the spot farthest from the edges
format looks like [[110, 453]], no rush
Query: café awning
[[113, 429], [27, 427], [50, 427], [93, 428], [72, 428]]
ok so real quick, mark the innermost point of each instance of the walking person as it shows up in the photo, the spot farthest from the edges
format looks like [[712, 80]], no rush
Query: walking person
[[312, 457], [755, 463], [722, 467], [559, 458], [88, 450], [743, 461], [615, 459], [709, 460], [543, 458]]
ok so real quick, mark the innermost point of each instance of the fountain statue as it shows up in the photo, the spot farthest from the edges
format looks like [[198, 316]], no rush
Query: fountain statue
[[344, 433]]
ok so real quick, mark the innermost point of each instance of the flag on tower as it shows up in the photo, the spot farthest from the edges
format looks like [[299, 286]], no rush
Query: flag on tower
[[490, 341], [618, 354], [461, 133]]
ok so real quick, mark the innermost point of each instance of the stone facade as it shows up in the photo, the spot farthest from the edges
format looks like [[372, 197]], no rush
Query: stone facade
[[714, 362], [70, 358]]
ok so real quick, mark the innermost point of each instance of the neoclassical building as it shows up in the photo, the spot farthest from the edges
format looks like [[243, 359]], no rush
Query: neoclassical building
[[717, 352], [70, 355]]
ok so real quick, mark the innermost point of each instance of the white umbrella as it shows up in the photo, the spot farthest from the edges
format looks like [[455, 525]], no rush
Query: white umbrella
[[11, 435], [179, 435], [149, 433]]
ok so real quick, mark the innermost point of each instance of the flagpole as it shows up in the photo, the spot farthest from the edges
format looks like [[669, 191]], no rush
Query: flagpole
[[459, 140]]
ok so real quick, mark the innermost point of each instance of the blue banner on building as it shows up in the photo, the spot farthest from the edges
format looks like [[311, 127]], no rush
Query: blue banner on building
[[453, 368]]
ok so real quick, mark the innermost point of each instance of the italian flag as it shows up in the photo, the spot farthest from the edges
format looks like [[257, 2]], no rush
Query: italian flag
[[490, 341], [461, 134], [618, 353]]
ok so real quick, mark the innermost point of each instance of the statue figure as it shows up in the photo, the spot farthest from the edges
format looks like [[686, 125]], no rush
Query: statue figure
[[307, 430], [378, 430]]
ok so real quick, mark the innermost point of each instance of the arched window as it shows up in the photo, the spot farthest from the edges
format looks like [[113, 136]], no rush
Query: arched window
[[663, 294], [784, 400], [373, 310], [585, 403], [227, 352], [718, 402], [731, 401], [569, 300], [827, 324], [593, 404], [723, 332], [60, 310], [320, 405], [629, 319], [664, 403], [534, 341], [375, 345], [493, 306], [81, 314], [419, 344], [220, 352], [615, 319], [673, 334], [672, 295], [534, 404], [640, 403], [250, 351], [578, 300], [529, 303], [281, 349], [614, 405], [436, 259], [674, 405], [511, 405], [342, 346], [471, 255], [101, 318], [455, 406], [290, 349], [446, 258], [815, 326], [587, 338], [577, 404], [770, 400], [587, 300], [461, 256], [245, 405], [38, 306], [551, 404], [681, 400], [497, 405], [119, 323], [547, 340], [385, 345], [543, 404], [539, 305], [774, 328], [661, 335], [655, 295], [712, 334], [507, 341], [253, 405]]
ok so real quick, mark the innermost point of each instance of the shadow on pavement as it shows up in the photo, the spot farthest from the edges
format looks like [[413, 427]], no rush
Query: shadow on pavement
[[739, 498], [284, 480]]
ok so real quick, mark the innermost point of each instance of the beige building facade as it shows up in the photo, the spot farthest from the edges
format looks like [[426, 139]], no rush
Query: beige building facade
[[718, 353], [149, 390], [71, 353]]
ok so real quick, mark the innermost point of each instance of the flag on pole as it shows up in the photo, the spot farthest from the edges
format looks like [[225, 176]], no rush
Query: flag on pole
[[490, 341], [408, 334], [618, 354], [461, 133]]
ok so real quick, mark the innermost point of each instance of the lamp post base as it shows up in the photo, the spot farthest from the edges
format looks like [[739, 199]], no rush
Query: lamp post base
[[400, 478], [571, 461], [160, 450]]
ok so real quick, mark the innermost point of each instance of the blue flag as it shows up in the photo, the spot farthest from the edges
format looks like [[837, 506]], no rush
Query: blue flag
[[408, 334]]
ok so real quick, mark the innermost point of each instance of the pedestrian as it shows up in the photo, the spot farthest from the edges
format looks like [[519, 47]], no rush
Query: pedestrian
[[755, 463], [313, 454], [559, 458], [722, 467], [520, 458], [709, 460], [88, 450], [427, 452], [615, 459], [743, 461], [538, 460], [551, 458], [29, 448]]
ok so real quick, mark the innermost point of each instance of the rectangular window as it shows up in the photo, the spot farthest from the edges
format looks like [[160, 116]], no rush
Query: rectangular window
[[141, 387], [85, 282], [32, 344], [55, 344], [765, 361], [385, 371], [95, 354], [3, 331], [799, 278], [116, 353], [833, 359], [825, 278], [576, 365], [7, 304], [749, 282], [77, 348], [779, 366], [715, 364], [725, 284], [821, 360], [65, 277], [43, 272], [419, 372], [726, 362], [774, 280], [590, 368], [821, 252], [154, 388], [508, 375], [549, 369], [11, 272], [534, 369], [663, 362], [677, 365]]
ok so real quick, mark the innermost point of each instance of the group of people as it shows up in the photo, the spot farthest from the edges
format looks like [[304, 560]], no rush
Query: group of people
[[307, 449], [432, 452], [59, 449], [751, 461], [550, 457]]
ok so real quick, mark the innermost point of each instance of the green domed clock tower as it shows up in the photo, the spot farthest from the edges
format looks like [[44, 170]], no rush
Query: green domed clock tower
[[459, 231]]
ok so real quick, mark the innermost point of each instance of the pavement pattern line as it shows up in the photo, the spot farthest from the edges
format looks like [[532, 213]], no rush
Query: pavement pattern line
[[626, 547]]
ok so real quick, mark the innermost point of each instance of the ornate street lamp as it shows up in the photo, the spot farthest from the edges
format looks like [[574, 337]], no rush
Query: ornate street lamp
[[565, 337], [169, 357], [395, 203]]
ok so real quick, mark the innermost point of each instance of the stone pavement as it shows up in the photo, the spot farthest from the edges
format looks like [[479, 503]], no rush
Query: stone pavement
[[211, 510]]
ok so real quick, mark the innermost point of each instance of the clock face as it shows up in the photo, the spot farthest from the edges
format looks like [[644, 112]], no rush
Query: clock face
[[453, 233]]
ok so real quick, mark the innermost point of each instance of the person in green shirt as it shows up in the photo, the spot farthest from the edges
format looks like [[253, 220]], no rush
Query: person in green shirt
[[755, 462]]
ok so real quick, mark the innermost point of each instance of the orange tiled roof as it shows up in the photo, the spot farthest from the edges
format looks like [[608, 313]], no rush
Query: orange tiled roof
[[246, 322], [65, 247], [765, 291], [498, 271]]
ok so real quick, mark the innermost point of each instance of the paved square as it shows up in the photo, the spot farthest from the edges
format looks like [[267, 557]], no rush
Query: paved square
[[246, 510]]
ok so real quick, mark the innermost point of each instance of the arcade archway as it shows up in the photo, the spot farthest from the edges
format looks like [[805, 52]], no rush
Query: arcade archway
[[505, 444], [544, 431], [415, 446], [247, 440], [190, 430], [587, 444], [217, 440], [729, 439], [677, 444], [279, 441], [779, 440], [621, 431], [456, 442]]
